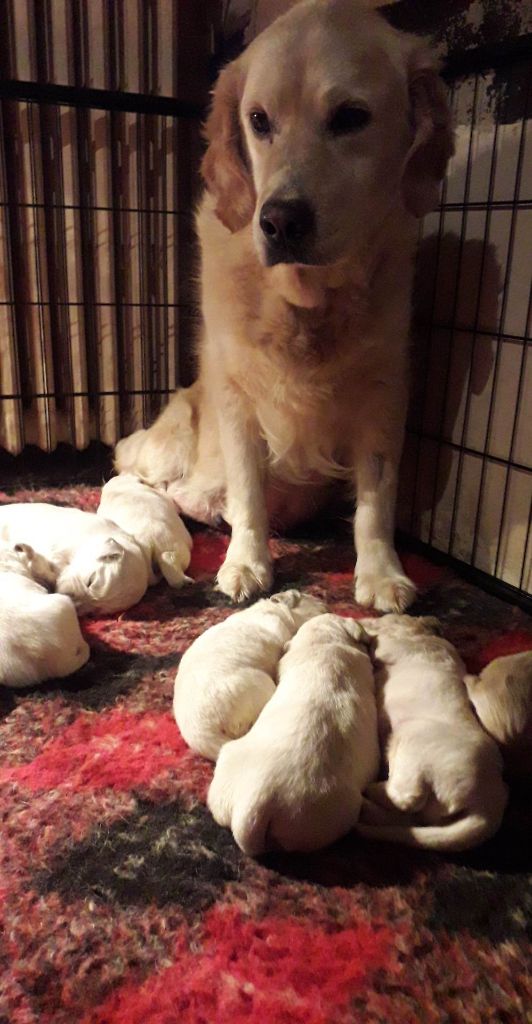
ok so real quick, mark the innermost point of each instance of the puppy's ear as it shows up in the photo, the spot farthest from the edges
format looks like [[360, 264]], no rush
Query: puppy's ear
[[431, 624], [356, 632], [25, 551], [224, 166], [290, 598], [433, 142], [111, 551]]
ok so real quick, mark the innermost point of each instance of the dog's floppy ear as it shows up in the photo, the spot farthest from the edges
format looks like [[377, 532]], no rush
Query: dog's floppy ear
[[224, 168], [290, 598], [433, 142], [111, 551], [26, 550]]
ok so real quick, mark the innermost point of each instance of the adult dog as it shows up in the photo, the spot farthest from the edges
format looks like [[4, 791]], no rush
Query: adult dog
[[327, 139]]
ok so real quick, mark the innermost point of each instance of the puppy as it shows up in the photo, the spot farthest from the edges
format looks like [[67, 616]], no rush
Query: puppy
[[502, 698], [40, 636], [226, 677], [442, 767], [151, 518], [100, 566], [315, 177], [296, 780]]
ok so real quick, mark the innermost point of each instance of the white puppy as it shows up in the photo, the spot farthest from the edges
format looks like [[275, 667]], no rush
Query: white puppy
[[502, 698], [443, 770], [40, 636], [152, 519], [296, 779], [227, 675], [99, 565]]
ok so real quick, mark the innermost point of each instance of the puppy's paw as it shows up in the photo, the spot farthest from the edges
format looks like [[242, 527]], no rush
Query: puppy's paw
[[171, 566], [241, 582], [391, 593], [219, 801]]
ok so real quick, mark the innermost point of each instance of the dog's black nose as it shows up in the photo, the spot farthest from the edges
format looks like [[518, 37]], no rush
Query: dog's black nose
[[287, 225]]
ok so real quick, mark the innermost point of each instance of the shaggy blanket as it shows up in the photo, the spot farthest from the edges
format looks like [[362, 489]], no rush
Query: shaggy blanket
[[122, 901]]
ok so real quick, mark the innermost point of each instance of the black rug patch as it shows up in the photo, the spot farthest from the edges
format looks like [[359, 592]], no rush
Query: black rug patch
[[107, 676], [162, 854], [456, 603], [495, 907]]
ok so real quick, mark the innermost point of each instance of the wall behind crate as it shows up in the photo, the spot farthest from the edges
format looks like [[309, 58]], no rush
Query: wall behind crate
[[100, 103]]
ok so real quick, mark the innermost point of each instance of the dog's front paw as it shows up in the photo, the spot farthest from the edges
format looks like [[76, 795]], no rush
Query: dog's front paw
[[240, 581], [391, 593]]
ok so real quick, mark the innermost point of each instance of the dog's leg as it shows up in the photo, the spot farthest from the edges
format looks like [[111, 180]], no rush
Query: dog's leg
[[248, 566], [379, 579]]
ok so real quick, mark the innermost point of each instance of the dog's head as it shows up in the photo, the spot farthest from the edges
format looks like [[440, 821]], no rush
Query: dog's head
[[104, 576], [327, 123]]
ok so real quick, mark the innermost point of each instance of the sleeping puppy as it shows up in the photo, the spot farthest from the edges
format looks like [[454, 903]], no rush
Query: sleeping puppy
[[502, 698], [151, 518], [315, 177], [40, 636], [227, 675], [295, 781], [444, 772], [98, 565]]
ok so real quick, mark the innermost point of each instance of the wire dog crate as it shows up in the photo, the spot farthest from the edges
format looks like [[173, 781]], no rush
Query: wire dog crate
[[100, 104], [467, 468]]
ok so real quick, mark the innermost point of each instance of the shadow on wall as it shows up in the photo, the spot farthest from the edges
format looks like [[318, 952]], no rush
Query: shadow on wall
[[456, 294], [454, 344]]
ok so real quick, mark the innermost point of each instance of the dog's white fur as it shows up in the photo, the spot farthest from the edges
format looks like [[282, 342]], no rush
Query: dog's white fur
[[152, 519], [99, 566], [444, 771], [227, 675], [40, 636], [502, 698], [296, 780], [303, 367]]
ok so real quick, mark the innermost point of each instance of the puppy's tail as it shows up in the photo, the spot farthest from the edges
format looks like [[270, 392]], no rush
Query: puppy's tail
[[462, 834]]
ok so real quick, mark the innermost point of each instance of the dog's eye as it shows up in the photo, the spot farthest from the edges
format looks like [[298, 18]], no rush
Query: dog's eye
[[259, 122], [347, 119]]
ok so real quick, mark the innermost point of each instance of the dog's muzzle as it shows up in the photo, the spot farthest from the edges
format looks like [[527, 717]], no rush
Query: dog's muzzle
[[288, 226]]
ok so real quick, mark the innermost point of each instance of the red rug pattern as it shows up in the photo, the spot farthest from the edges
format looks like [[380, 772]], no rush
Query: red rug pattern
[[122, 902]]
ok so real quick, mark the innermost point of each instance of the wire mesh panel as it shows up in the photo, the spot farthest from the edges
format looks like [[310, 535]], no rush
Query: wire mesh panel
[[98, 153], [467, 468]]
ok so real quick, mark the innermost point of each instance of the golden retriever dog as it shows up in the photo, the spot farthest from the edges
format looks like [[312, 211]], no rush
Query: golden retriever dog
[[502, 698], [228, 674], [40, 637], [327, 140], [151, 518], [444, 789], [98, 565], [295, 781]]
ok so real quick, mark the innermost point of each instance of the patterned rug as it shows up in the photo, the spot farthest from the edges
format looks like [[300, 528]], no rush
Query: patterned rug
[[121, 901]]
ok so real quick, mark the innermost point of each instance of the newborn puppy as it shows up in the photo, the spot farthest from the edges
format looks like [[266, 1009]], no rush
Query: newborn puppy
[[227, 675], [152, 519], [40, 636], [442, 767], [502, 698], [98, 565], [296, 779]]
